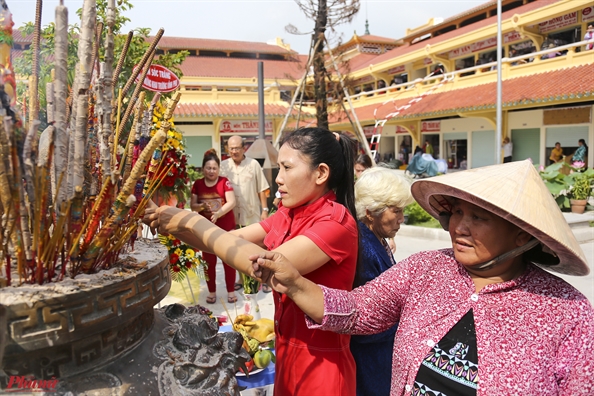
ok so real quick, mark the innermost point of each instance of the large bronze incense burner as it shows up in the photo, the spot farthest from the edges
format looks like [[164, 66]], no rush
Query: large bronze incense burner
[[60, 335]]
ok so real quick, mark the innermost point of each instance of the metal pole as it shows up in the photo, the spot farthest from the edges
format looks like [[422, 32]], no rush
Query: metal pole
[[261, 118], [498, 131]]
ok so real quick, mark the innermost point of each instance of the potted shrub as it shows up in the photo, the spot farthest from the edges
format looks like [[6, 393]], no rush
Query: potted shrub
[[579, 193], [562, 185]]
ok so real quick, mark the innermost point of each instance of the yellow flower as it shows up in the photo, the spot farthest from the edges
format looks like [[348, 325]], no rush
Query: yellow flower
[[178, 251], [190, 253]]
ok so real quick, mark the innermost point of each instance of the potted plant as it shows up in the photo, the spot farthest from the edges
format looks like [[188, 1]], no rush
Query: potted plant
[[561, 179], [579, 193]]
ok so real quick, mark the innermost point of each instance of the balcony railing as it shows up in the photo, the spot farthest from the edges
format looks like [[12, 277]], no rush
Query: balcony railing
[[522, 61]]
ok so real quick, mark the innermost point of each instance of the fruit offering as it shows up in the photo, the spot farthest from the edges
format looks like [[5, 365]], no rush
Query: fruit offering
[[256, 334], [262, 358]]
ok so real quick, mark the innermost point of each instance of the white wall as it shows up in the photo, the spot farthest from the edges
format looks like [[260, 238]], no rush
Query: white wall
[[196, 130]]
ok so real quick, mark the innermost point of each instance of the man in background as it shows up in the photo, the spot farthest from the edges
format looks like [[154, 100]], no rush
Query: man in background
[[249, 184]]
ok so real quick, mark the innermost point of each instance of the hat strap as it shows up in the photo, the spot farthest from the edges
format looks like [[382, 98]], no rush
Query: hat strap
[[506, 256]]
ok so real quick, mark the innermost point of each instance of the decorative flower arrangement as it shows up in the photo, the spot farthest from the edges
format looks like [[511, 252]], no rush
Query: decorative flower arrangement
[[175, 182], [562, 179], [182, 258]]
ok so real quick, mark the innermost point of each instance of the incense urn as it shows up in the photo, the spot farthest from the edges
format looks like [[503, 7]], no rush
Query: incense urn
[[62, 329]]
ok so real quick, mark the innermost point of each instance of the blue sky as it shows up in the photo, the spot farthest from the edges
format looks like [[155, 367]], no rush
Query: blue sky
[[260, 21]]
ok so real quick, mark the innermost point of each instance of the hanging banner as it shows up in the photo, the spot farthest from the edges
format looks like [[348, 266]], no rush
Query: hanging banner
[[244, 126], [160, 79], [559, 22]]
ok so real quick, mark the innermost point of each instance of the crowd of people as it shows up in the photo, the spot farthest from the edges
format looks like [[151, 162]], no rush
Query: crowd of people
[[480, 318]]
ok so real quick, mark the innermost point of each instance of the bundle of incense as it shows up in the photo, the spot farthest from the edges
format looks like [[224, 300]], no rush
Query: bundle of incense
[[125, 199], [48, 211]]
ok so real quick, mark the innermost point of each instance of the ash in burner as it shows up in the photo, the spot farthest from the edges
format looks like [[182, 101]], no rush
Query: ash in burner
[[197, 360]]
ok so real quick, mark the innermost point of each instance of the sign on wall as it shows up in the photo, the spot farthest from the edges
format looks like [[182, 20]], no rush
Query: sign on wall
[[396, 70], [244, 126], [559, 22], [482, 45], [588, 14], [368, 131], [431, 126]]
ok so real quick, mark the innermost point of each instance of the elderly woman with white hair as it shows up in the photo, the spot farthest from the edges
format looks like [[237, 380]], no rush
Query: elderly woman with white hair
[[485, 317], [380, 196]]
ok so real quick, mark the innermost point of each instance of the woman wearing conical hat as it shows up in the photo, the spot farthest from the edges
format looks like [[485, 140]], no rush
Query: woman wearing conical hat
[[485, 317]]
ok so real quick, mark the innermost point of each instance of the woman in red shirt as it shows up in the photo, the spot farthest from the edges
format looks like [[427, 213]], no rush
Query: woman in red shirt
[[213, 198], [315, 227]]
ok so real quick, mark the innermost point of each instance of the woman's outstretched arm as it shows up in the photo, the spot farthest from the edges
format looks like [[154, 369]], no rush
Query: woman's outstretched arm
[[199, 232], [274, 268]]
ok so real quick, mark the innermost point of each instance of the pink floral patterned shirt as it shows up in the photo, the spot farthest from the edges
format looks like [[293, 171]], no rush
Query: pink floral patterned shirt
[[534, 334]]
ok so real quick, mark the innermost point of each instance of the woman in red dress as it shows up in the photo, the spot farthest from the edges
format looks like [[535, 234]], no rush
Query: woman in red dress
[[314, 226], [213, 198]]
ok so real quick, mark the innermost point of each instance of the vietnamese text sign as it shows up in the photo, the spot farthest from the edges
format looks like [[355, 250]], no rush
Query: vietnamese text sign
[[559, 22], [160, 79], [244, 126], [430, 126], [482, 45], [368, 131], [588, 14], [396, 70], [510, 37]]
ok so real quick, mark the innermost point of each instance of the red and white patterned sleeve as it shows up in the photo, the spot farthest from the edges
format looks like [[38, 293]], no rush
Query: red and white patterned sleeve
[[373, 307]]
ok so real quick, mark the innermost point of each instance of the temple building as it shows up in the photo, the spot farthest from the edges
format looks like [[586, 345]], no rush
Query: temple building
[[437, 84]]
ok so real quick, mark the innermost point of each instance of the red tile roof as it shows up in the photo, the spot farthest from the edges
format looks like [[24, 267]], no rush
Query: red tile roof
[[218, 45], [17, 36], [203, 66], [405, 49], [360, 59], [230, 110], [537, 90], [370, 38], [461, 15], [15, 53]]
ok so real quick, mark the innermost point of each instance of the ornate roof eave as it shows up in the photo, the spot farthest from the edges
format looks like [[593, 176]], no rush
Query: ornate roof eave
[[524, 104]]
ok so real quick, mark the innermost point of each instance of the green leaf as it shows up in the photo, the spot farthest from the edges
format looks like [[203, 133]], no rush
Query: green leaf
[[563, 202]]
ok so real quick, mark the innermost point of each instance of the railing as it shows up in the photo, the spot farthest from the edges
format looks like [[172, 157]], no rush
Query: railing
[[456, 74]]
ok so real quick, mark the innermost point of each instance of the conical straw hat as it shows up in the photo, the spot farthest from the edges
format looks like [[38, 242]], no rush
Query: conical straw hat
[[515, 192]]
